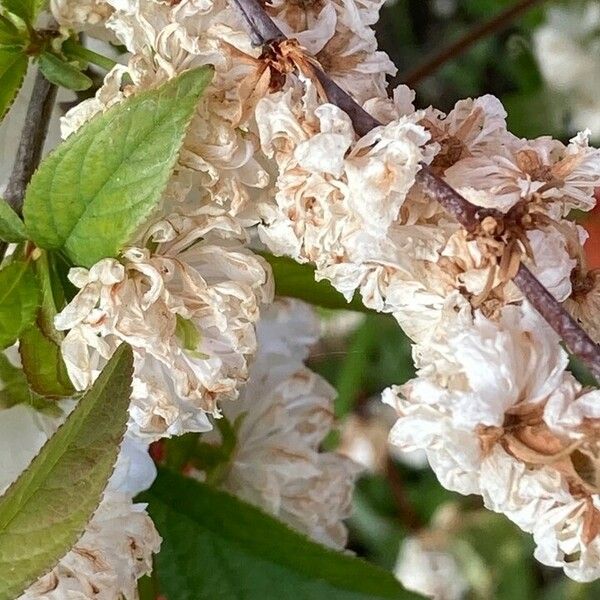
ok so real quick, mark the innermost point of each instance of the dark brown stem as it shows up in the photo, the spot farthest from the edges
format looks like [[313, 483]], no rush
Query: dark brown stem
[[462, 210], [494, 25], [33, 135], [577, 340], [363, 122], [262, 30], [406, 512], [467, 214]]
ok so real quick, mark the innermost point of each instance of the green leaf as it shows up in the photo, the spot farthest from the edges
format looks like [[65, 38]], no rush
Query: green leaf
[[19, 301], [13, 66], [354, 368], [43, 365], [73, 49], [28, 10], [379, 534], [12, 228], [94, 192], [298, 281], [15, 390], [45, 511], [215, 546], [11, 35], [53, 294], [39, 345], [62, 73]]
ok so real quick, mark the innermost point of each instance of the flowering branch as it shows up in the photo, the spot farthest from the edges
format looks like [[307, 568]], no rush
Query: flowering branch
[[495, 24], [263, 32]]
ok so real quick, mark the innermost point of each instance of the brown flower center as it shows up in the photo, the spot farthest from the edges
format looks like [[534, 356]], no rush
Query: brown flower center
[[296, 13], [332, 58]]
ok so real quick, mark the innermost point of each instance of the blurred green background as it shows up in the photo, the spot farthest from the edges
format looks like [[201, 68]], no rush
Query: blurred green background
[[502, 64]]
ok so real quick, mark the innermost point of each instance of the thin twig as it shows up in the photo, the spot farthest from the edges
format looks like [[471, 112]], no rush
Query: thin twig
[[32, 140], [406, 512], [577, 340], [261, 30], [494, 25], [467, 214]]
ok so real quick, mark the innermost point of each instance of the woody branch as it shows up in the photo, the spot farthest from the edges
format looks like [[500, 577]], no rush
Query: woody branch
[[263, 31]]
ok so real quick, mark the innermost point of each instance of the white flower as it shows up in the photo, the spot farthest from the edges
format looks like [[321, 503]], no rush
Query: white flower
[[89, 16], [368, 178], [135, 471], [188, 311], [454, 454], [523, 364], [551, 262], [433, 573], [340, 200], [564, 177], [380, 171], [561, 539], [498, 415], [473, 128], [546, 252], [338, 34], [565, 526], [117, 545], [584, 304], [285, 412], [23, 432], [164, 40], [106, 96], [492, 406]]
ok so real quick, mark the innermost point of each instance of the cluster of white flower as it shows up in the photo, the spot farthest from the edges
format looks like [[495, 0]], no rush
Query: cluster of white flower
[[498, 415], [490, 369], [187, 310], [281, 418], [493, 405]]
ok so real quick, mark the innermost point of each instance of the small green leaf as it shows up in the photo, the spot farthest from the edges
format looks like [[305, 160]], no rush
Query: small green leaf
[[28, 10], [13, 383], [14, 389], [13, 66], [73, 49], [187, 333], [297, 280], [45, 511], [94, 192], [215, 546], [62, 73], [43, 365], [12, 228], [19, 301]]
